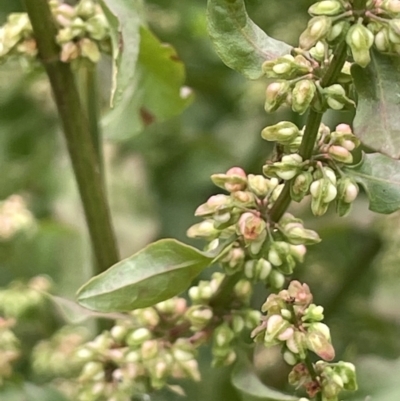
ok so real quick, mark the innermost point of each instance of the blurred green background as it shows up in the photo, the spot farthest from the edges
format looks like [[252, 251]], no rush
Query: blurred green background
[[158, 177]]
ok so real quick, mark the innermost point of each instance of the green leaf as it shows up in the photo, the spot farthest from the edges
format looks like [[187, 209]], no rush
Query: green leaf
[[75, 314], [238, 41], [245, 380], [160, 271], [155, 92], [380, 177], [377, 120], [124, 19]]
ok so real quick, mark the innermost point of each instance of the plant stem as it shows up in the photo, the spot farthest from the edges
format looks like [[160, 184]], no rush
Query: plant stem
[[311, 131], [76, 126]]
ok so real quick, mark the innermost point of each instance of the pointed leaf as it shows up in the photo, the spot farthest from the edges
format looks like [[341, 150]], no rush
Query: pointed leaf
[[380, 177], [377, 120], [245, 380], [73, 313], [238, 41], [160, 271], [124, 19], [155, 92]]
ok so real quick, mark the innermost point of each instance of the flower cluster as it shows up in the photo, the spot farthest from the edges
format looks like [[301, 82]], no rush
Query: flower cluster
[[320, 176], [260, 248], [83, 33], [14, 217], [295, 323], [9, 348]]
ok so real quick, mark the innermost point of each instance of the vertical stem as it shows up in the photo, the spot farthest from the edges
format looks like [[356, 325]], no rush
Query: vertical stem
[[77, 133]]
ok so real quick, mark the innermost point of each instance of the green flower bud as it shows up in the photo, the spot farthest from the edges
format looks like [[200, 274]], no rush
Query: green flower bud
[[86, 8], [276, 279], [300, 186], [336, 97], [204, 229], [282, 132], [92, 371], [326, 7], [338, 31], [149, 349], [64, 36], [138, 336], [276, 324], [360, 39], [317, 29], [223, 335], [275, 95], [287, 168], [392, 6], [394, 31], [199, 317], [347, 193], [285, 67], [252, 318], [297, 344], [318, 51], [302, 95], [259, 185], [290, 358], [279, 255], [243, 290], [382, 40], [313, 313], [118, 333], [347, 372], [97, 26], [201, 293], [296, 234], [323, 191], [90, 50]]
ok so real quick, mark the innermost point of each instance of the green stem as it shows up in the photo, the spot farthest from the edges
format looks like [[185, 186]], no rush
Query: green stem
[[312, 126], [84, 159], [359, 4]]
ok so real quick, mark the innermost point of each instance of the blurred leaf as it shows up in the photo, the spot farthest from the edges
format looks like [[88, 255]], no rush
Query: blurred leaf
[[158, 272], [238, 41], [29, 392], [245, 380], [377, 120], [380, 177], [74, 313], [154, 94], [123, 17]]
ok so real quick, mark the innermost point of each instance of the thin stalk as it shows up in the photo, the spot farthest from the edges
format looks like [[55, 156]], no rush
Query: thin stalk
[[76, 129]]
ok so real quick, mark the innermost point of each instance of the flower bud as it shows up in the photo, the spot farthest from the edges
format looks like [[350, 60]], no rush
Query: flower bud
[[290, 358], [318, 341], [336, 97], [296, 234], [138, 336], [243, 290], [199, 316], [275, 95], [92, 371], [347, 193], [276, 279], [338, 30], [234, 179], [118, 333], [318, 51], [251, 227], [382, 40], [347, 372], [204, 229], [69, 52], [326, 7], [360, 39], [298, 252], [223, 335], [302, 95], [90, 50], [317, 29], [340, 154], [275, 325], [323, 189], [149, 349], [279, 255], [286, 169], [214, 204], [285, 67], [282, 132], [85, 8], [392, 6], [313, 313], [201, 293], [300, 186], [97, 27], [259, 185]]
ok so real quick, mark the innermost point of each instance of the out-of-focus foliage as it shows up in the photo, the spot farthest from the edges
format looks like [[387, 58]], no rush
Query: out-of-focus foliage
[[157, 178]]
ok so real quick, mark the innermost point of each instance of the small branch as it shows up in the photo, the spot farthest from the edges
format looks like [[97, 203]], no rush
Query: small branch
[[77, 134]]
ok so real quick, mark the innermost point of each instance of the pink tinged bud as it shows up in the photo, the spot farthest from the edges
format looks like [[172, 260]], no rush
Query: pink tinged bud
[[392, 6], [340, 154], [302, 95], [317, 342], [350, 193], [252, 227], [286, 334], [275, 95], [236, 171], [298, 252], [344, 129]]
